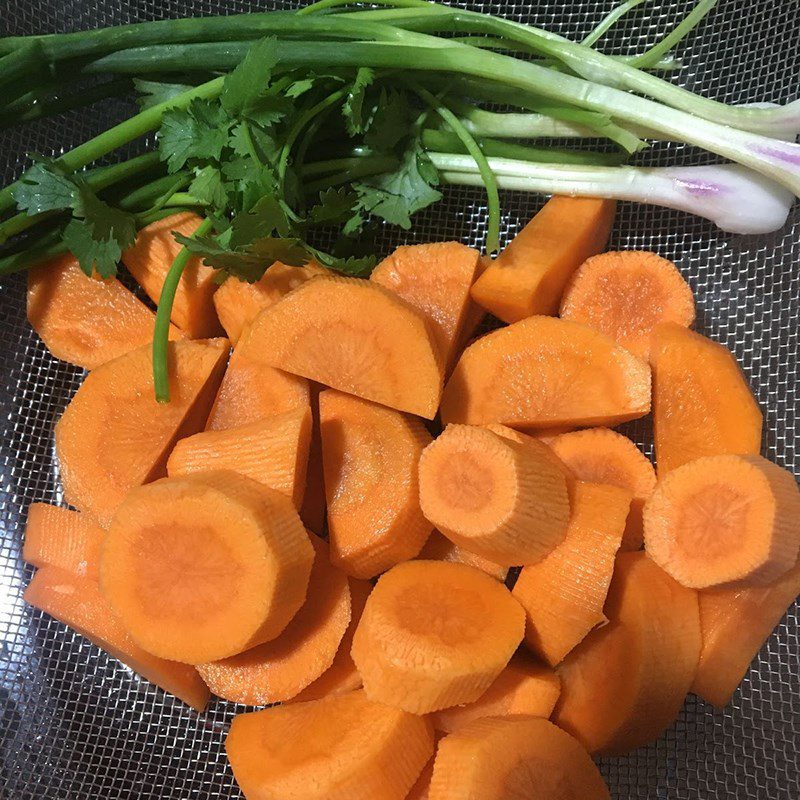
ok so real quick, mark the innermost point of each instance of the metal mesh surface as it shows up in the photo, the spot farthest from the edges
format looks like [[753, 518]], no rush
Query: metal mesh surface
[[74, 723]]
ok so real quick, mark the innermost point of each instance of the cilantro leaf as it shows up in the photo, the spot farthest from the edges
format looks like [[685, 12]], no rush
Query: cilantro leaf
[[269, 109], [335, 205], [246, 84], [354, 266], [153, 93], [253, 141], [353, 107], [199, 132], [390, 122], [264, 219], [42, 188], [299, 87], [209, 186]]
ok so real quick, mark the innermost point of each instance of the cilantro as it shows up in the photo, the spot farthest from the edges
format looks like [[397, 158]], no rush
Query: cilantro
[[390, 123], [353, 107], [299, 87], [264, 219], [153, 93], [43, 188], [335, 205], [209, 187], [247, 83], [200, 132]]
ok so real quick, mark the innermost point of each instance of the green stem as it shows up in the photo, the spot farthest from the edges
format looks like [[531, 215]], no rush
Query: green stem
[[150, 194], [321, 5], [349, 169], [182, 199], [610, 20], [19, 68]]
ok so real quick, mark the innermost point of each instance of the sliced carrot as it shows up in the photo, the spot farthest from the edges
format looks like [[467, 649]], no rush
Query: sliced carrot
[[440, 548], [543, 372], [724, 518], [356, 336], [273, 451], [315, 508], [420, 790], [504, 500], [76, 600], [114, 435], [529, 276], [474, 314], [736, 622], [564, 593], [205, 566], [600, 455], [626, 682], [435, 635], [625, 294], [499, 758], [370, 455], [701, 401], [343, 747]]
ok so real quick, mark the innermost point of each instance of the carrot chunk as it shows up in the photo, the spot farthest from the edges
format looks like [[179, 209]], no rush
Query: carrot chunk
[[474, 314], [421, 789], [343, 747], [315, 507], [544, 372], [370, 455], [435, 635], [724, 518], [205, 566], [440, 548]]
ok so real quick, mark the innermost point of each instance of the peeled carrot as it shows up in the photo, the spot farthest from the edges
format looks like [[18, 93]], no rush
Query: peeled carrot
[[564, 593], [343, 747], [529, 276], [314, 510], [701, 401], [420, 790], [355, 336], [76, 601], [474, 314], [626, 294], [149, 261], [626, 682], [435, 635], [273, 451], [544, 372], [205, 566], [440, 548], [114, 435], [503, 500], [724, 518], [370, 456]]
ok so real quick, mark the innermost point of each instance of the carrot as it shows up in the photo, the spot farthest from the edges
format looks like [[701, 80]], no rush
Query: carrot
[[440, 548], [149, 261], [529, 276], [563, 595], [499, 758], [435, 635], [355, 336], [420, 790], [724, 518], [278, 670], [735, 622], [314, 509], [701, 401], [545, 372], [600, 455], [626, 682], [205, 566], [370, 456], [343, 747], [115, 436], [474, 314], [435, 279], [76, 601], [273, 451], [626, 294], [86, 321], [506, 501]]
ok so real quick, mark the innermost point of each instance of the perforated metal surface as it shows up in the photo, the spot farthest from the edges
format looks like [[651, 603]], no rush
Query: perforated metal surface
[[74, 723]]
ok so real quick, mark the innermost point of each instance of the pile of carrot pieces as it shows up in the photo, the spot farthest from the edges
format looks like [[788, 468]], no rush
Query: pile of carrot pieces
[[406, 659]]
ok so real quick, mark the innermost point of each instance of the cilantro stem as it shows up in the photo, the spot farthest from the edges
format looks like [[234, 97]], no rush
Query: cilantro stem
[[151, 195], [321, 5], [349, 169], [181, 199], [18, 68], [610, 20]]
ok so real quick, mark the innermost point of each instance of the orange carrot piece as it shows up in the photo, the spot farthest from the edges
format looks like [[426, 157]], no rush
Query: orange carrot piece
[[370, 455], [434, 635], [563, 595], [724, 518], [474, 314], [343, 747], [76, 601], [543, 372], [314, 510], [529, 276], [626, 682], [205, 566], [701, 401], [420, 790], [440, 548]]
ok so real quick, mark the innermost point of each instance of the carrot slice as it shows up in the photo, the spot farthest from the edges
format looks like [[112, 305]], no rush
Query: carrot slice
[[370, 456], [514, 757], [626, 682], [273, 451], [76, 600], [205, 566], [701, 401], [440, 548], [435, 635], [724, 518], [343, 747], [356, 336], [115, 436], [736, 622], [474, 314], [435, 279], [529, 276], [626, 294], [600, 455], [278, 670], [314, 509], [543, 372], [563, 595], [421, 789], [504, 500]]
